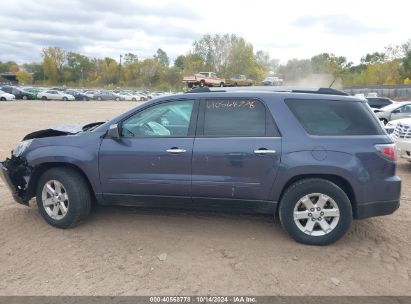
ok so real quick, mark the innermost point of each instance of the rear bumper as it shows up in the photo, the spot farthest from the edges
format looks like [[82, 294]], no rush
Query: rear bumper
[[376, 209]]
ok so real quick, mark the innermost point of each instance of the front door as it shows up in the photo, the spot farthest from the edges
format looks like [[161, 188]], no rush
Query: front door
[[236, 152], [152, 158]]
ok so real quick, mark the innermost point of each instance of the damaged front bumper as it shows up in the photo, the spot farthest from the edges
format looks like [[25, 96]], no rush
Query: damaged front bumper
[[15, 173]]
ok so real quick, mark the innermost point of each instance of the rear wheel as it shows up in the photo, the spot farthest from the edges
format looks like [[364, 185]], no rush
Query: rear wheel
[[99, 99], [117, 99], [3, 98], [63, 197], [44, 98], [24, 97], [315, 212], [202, 83], [65, 98]]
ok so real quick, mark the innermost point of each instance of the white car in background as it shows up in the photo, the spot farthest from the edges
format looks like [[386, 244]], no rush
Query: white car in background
[[55, 95], [90, 93], [6, 96], [401, 135]]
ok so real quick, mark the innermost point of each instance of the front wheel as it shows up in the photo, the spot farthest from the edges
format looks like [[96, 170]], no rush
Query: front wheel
[[63, 197], [64, 98], [3, 99], [25, 97], [315, 212], [117, 99]]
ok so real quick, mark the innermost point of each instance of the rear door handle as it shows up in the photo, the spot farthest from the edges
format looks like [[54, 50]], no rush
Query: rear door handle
[[264, 151], [175, 150]]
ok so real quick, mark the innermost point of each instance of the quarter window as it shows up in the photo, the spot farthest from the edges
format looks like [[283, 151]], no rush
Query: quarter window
[[326, 117], [234, 117], [170, 119]]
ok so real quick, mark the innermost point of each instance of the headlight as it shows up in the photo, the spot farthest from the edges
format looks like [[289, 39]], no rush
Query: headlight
[[21, 147]]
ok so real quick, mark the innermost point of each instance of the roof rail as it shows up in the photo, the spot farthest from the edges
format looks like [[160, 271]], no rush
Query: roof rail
[[326, 91]]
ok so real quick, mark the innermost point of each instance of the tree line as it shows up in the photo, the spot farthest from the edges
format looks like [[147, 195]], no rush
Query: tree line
[[227, 55]]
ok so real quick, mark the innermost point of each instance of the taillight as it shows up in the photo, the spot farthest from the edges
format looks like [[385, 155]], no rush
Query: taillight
[[387, 151]]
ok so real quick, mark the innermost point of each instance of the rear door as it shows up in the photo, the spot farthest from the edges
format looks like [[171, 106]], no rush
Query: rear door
[[236, 151]]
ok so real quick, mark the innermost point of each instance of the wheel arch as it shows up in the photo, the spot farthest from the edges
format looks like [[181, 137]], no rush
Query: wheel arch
[[39, 170], [336, 179]]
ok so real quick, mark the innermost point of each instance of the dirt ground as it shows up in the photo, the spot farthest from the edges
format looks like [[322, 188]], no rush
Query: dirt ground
[[132, 251]]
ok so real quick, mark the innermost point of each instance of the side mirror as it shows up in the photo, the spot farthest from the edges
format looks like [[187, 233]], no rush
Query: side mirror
[[113, 132]]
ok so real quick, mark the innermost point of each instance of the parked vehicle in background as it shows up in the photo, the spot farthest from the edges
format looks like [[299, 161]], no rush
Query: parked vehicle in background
[[204, 79], [272, 81], [133, 96], [391, 125], [34, 91], [55, 95], [316, 158], [379, 102], [402, 137], [77, 95], [4, 96], [238, 81], [91, 93], [18, 93], [394, 111], [107, 95]]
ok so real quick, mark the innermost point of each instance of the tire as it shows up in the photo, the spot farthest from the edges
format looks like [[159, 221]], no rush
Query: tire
[[133, 99], [99, 99], [235, 84], [77, 204], [117, 99], [85, 99], [221, 84], [24, 97], [190, 85], [291, 202], [3, 99], [64, 98], [44, 98], [202, 83]]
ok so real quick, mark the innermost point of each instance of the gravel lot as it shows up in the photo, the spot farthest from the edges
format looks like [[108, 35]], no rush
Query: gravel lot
[[132, 251]]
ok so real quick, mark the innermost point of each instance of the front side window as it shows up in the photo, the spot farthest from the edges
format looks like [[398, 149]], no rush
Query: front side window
[[326, 117], [170, 119], [234, 117]]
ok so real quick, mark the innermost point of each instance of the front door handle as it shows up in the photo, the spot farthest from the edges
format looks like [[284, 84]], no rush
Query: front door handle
[[175, 150], [264, 151]]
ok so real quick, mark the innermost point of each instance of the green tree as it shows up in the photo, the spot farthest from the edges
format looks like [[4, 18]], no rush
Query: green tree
[[77, 68], [179, 62], [53, 61], [130, 58], [162, 58], [24, 78]]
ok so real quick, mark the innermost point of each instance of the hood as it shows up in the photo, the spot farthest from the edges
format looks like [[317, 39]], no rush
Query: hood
[[397, 121], [62, 130]]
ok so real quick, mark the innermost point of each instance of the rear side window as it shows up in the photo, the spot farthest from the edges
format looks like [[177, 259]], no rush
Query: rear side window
[[324, 117], [234, 117]]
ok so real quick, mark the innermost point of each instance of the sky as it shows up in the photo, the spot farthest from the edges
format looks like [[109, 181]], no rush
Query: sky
[[285, 29]]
